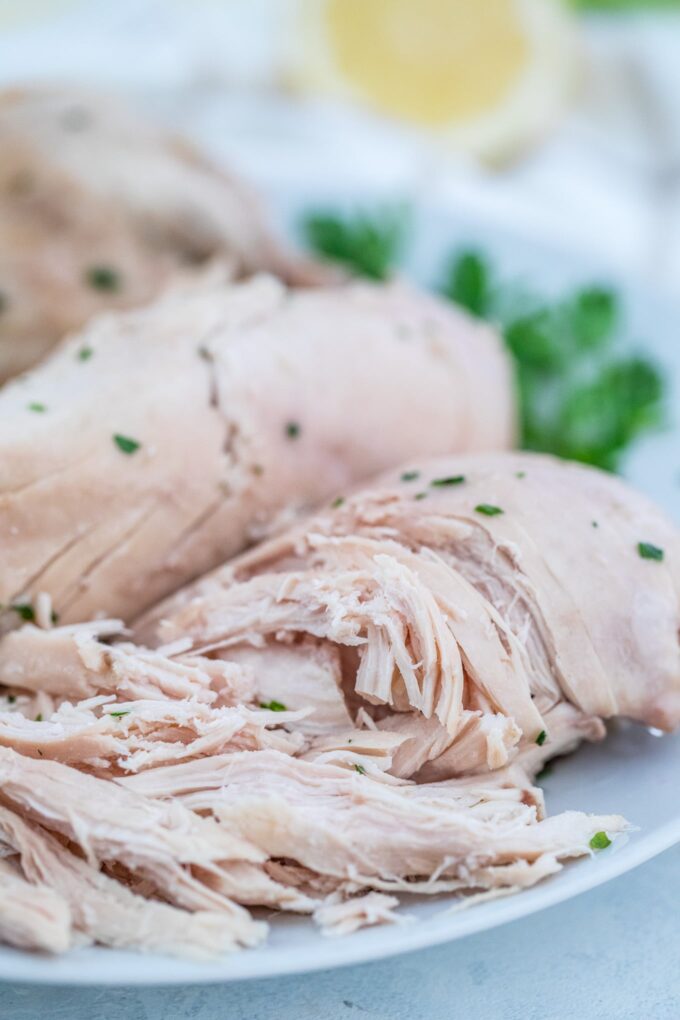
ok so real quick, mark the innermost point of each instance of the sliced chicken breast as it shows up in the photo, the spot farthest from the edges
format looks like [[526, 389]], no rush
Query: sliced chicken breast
[[98, 209], [159, 442]]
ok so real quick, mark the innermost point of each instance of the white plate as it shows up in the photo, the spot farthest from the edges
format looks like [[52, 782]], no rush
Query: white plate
[[633, 772]]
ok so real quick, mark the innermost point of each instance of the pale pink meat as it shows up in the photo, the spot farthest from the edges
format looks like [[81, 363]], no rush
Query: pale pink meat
[[88, 186], [31, 916], [356, 708], [250, 404]]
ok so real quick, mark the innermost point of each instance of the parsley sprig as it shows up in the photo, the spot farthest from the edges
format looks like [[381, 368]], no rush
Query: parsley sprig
[[369, 245], [582, 395]]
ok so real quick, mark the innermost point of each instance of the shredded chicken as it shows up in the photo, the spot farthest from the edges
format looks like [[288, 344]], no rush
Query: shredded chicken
[[31, 916], [352, 710]]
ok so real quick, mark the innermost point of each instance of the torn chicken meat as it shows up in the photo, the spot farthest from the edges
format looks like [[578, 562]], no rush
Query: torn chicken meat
[[195, 425], [507, 589], [406, 661]]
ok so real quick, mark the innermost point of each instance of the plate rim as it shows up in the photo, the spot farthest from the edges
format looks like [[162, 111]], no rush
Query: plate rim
[[387, 941], [102, 967]]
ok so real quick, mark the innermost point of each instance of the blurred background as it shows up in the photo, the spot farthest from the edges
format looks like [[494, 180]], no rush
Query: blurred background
[[562, 118], [522, 157]]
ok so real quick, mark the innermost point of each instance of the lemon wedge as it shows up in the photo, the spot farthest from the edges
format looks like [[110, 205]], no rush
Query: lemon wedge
[[488, 75]]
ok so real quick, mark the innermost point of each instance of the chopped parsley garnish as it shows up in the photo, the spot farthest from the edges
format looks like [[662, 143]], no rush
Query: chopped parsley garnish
[[103, 278], [488, 509], [85, 353], [274, 706], [11, 698], [420, 495], [360, 769], [440, 483], [39, 717], [119, 715], [367, 245], [292, 429], [125, 444], [520, 474], [54, 616], [650, 552], [38, 408], [410, 476], [25, 611], [594, 524], [541, 738], [338, 501], [600, 841]]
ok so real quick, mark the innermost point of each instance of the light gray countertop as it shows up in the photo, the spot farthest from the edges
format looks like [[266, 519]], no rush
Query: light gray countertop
[[611, 953]]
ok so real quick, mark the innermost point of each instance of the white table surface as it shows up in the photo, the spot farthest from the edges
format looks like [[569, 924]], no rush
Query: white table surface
[[611, 953]]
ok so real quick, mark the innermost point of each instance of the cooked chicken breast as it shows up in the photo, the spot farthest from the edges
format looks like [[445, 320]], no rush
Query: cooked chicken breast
[[473, 592], [159, 442], [98, 209], [354, 708]]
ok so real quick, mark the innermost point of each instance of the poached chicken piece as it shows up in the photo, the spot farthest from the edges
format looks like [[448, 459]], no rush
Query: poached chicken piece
[[99, 209], [159, 442], [462, 620]]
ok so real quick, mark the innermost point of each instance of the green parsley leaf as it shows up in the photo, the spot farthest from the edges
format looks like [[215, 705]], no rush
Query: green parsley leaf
[[580, 397], [274, 706], [360, 769], [650, 552], [292, 429], [103, 278], [119, 715], [409, 476], [125, 444], [600, 841], [38, 408], [468, 282], [11, 698], [85, 353], [541, 738], [420, 495], [440, 483], [368, 245], [488, 509], [520, 474], [616, 6], [39, 717], [25, 611], [338, 501], [594, 312]]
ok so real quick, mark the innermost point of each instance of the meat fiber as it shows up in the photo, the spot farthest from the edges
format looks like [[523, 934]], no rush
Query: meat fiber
[[486, 585], [406, 660], [99, 209], [196, 425], [31, 916]]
